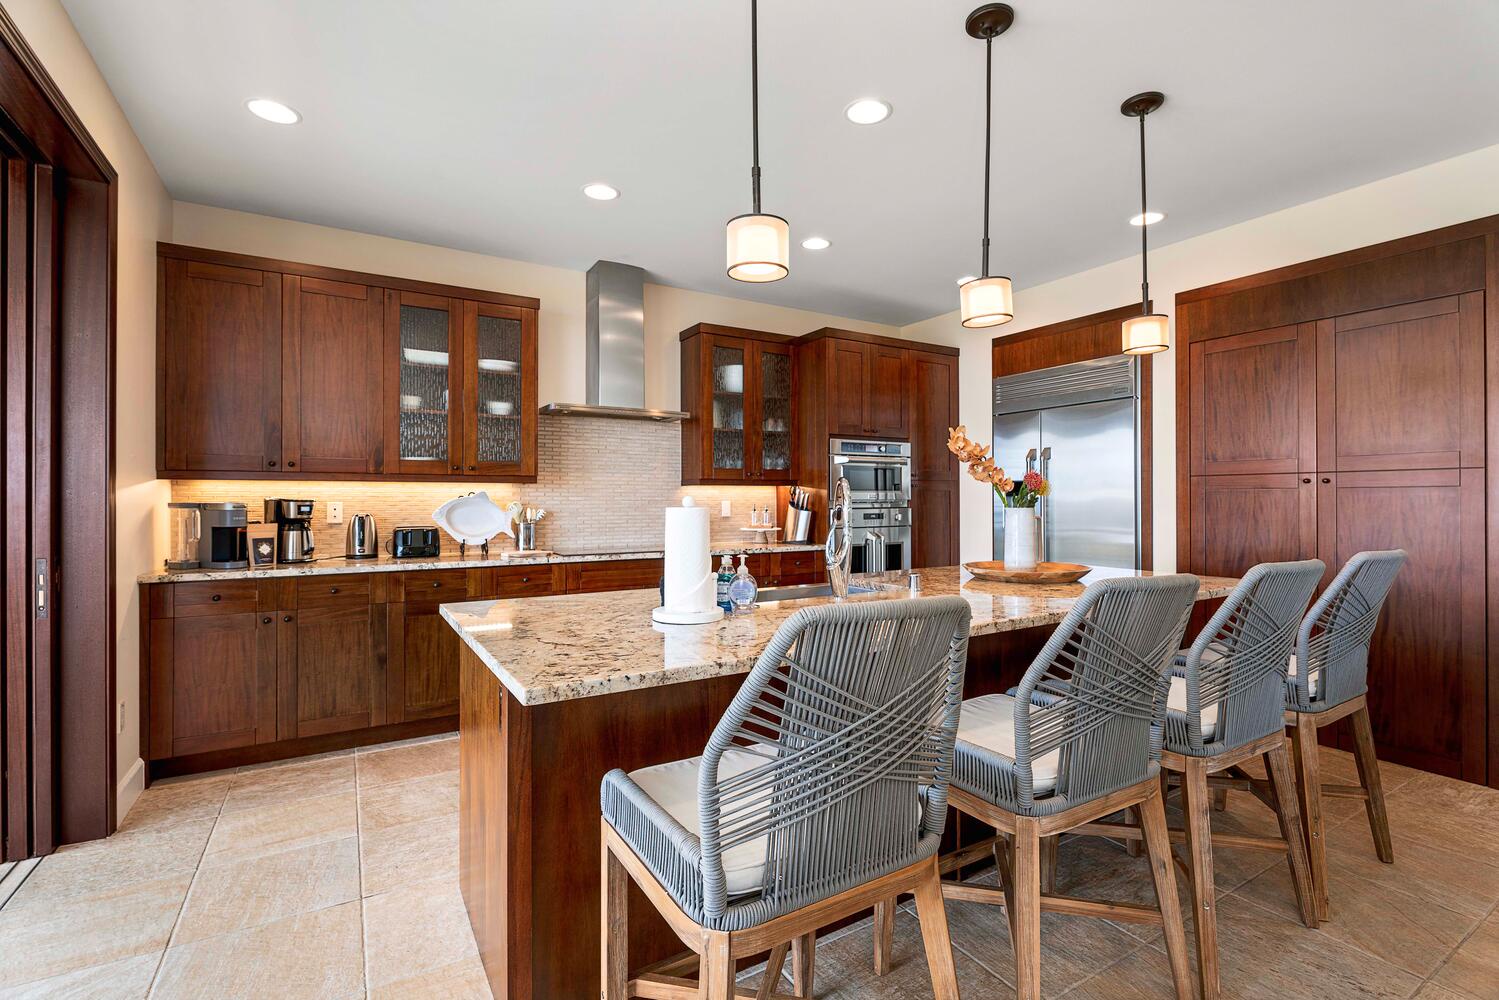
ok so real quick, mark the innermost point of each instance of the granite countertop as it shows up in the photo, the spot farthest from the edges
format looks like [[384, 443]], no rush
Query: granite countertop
[[549, 649], [501, 556]]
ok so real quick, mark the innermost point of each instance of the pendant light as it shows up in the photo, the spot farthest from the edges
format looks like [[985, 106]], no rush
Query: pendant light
[[1147, 333], [987, 300], [759, 245]]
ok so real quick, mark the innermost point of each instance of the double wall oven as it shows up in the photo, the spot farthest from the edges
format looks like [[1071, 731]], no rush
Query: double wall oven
[[879, 479]]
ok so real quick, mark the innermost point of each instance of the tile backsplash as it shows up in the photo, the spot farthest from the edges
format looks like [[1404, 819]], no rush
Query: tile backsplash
[[603, 482]]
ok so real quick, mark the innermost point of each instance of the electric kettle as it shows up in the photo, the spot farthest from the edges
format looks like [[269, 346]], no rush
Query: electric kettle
[[362, 541]]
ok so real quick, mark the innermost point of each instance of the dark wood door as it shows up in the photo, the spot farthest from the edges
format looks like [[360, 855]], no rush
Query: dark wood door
[[1238, 521], [934, 522], [331, 663], [934, 408], [213, 683], [1426, 664], [331, 376], [886, 412], [727, 405], [423, 384], [499, 391], [772, 414], [219, 366], [429, 655], [1254, 402], [848, 387], [1402, 388]]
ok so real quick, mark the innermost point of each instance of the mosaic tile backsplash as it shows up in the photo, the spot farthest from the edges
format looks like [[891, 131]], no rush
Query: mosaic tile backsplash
[[604, 484]]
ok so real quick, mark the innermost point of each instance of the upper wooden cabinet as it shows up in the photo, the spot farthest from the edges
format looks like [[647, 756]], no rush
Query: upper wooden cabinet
[[294, 370], [737, 389], [933, 406], [1254, 402], [866, 387]]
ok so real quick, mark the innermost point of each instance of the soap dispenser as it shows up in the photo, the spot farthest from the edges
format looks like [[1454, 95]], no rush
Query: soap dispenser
[[744, 589]]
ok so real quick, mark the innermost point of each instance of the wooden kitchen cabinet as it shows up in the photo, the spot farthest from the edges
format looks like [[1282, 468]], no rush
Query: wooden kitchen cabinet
[[499, 391], [933, 407], [1252, 519], [330, 670], [612, 574], [737, 389], [866, 387], [934, 523], [330, 385], [1253, 400], [424, 383], [212, 683]]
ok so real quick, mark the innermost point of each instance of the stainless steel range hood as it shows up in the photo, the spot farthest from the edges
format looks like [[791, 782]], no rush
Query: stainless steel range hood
[[615, 348]]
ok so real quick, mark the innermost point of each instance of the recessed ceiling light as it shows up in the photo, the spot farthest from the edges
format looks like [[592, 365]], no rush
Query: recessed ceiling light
[[1148, 219], [601, 192], [272, 111], [867, 111], [815, 243], [967, 278]]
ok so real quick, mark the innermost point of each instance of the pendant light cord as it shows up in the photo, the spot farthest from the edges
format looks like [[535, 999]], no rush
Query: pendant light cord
[[988, 124], [1144, 228], [755, 97]]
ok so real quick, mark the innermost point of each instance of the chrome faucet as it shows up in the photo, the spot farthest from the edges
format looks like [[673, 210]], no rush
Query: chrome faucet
[[838, 556]]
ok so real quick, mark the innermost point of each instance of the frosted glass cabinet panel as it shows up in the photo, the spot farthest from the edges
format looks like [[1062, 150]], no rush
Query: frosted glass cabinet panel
[[499, 390], [426, 348], [737, 384]]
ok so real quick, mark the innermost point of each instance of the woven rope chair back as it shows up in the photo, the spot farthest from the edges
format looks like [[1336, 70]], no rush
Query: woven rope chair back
[[1238, 661], [854, 709], [1098, 689], [1333, 643]]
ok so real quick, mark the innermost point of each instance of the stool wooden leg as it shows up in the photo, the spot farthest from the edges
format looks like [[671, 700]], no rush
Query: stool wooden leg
[[1027, 921], [1004, 860], [1134, 848], [1309, 791], [803, 964], [1278, 766], [614, 936], [716, 975], [1049, 865], [933, 914], [1220, 800], [772, 971], [1368, 776], [884, 935], [1197, 804], [1158, 845]]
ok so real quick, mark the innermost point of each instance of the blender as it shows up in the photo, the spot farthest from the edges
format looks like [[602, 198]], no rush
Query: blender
[[186, 528]]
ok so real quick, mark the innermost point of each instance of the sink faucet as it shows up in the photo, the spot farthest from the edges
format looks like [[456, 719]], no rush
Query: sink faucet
[[839, 555]]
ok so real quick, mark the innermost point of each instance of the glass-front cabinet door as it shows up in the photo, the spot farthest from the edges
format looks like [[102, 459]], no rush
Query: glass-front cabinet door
[[425, 347], [728, 381], [499, 390], [771, 461]]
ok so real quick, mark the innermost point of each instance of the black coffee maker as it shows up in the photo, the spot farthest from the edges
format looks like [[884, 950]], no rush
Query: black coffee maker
[[293, 521]]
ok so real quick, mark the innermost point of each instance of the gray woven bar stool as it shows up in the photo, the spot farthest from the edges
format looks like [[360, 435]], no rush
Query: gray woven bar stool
[[1087, 745], [822, 790], [1328, 679]]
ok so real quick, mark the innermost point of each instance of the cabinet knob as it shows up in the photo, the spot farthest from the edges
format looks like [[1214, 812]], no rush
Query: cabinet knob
[[271, 464], [1326, 479], [217, 598], [1307, 480], [265, 621], [436, 584], [332, 590], [525, 579], [457, 467], [291, 465], [286, 618]]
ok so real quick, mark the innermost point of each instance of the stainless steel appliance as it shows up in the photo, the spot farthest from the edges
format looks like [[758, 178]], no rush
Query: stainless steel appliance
[[878, 474], [221, 542], [294, 541], [186, 528], [1078, 425], [413, 543], [362, 541]]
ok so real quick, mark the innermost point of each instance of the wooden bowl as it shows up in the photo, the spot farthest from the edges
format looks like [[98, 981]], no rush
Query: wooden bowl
[[1044, 572]]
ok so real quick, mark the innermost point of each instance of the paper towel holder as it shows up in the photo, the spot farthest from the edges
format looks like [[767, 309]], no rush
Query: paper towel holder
[[676, 606]]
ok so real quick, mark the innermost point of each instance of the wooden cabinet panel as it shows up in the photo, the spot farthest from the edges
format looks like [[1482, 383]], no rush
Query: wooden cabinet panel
[[426, 589], [213, 683], [618, 574], [772, 444], [933, 408], [800, 567], [1238, 521], [339, 591], [1426, 663], [528, 581], [848, 387], [331, 664], [330, 375], [886, 411], [423, 380], [1402, 388], [499, 390], [213, 597], [934, 522], [1253, 402], [219, 368], [738, 389], [428, 653]]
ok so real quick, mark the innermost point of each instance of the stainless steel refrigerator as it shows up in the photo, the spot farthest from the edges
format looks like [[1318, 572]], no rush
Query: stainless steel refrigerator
[[1078, 425]]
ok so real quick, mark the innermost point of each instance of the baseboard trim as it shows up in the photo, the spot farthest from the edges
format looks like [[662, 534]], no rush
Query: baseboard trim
[[129, 789]]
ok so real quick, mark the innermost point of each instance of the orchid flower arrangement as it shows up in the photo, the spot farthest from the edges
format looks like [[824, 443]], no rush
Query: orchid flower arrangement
[[1024, 492]]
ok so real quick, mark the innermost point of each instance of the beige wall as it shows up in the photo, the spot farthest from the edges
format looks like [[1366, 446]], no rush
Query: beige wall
[[1439, 194], [145, 213]]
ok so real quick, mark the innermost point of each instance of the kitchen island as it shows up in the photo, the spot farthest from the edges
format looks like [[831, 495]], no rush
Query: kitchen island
[[556, 691]]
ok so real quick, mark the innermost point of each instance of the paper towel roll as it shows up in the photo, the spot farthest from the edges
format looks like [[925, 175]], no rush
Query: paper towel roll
[[691, 587]]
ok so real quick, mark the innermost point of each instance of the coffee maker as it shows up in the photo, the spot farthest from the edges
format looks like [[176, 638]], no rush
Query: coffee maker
[[293, 529], [221, 538]]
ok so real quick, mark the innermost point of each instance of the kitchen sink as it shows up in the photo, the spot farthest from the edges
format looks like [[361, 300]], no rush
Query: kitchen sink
[[803, 591]]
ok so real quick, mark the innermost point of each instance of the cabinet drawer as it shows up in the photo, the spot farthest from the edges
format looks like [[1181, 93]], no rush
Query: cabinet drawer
[[333, 591], [619, 574], [525, 581], [213, 597], [800, 567], [438, 586]]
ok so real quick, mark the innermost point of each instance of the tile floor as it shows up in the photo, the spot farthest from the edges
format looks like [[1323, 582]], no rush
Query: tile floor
[[335, 877]]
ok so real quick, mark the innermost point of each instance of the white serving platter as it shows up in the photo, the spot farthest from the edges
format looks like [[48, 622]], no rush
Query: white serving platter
[[472, 519]]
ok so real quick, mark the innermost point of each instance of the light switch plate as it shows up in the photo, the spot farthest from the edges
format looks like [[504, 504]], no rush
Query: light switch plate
[[725, 508], [335, 512]]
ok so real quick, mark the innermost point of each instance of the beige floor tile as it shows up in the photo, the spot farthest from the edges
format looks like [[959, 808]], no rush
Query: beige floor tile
[[411, 852], [52, 938], [1464, 882], [180, 800], [271, 829], [414, 929], [431, 797], [406, 762], [1446, 813], [126, 979], [462, 980], [1473, 970], [233, 895], [115, 862], [313, 955], [262, 787], [1432, 991]]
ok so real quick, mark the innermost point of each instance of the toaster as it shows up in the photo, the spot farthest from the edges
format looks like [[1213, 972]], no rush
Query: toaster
[[414, 543]]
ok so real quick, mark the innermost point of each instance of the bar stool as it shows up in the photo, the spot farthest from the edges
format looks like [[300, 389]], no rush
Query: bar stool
[[823, 789], [1328, 679], [1087, 745]]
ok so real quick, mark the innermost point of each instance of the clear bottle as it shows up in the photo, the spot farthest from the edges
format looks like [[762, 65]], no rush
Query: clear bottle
[[743, 590], [725, 577]]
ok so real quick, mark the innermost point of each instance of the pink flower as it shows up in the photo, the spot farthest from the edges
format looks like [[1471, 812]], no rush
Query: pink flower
[[1033, 481]]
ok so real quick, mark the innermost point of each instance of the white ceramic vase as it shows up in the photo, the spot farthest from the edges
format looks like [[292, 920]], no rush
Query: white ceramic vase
[[1022, 538]]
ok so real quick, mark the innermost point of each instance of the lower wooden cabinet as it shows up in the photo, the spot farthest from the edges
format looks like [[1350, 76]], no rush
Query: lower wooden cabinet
[[212, 683], [934, 522], [329, 662]]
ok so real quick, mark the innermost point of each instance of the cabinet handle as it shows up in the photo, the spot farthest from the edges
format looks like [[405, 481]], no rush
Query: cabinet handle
[[286, 618], [265, 621], [217, 598], [271, 464]]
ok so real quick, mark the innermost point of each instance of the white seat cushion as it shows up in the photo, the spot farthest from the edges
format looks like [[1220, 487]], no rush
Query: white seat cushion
[[673, 786], [989, 722], [1311, 682], [1176, 701]]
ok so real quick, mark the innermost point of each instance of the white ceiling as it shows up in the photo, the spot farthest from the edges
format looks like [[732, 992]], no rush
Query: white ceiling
[[473, 123]]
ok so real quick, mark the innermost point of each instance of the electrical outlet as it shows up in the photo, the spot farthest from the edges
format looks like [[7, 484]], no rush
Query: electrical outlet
[[335, 512], [725, 508], [120, 718]]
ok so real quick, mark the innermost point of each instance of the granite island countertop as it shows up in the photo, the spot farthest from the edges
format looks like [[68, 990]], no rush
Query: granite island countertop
[[550, 649], [472, 560]]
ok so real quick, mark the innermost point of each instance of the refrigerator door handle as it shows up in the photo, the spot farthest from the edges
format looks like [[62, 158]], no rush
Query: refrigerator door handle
[[1045, 470], [1030, 460]]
